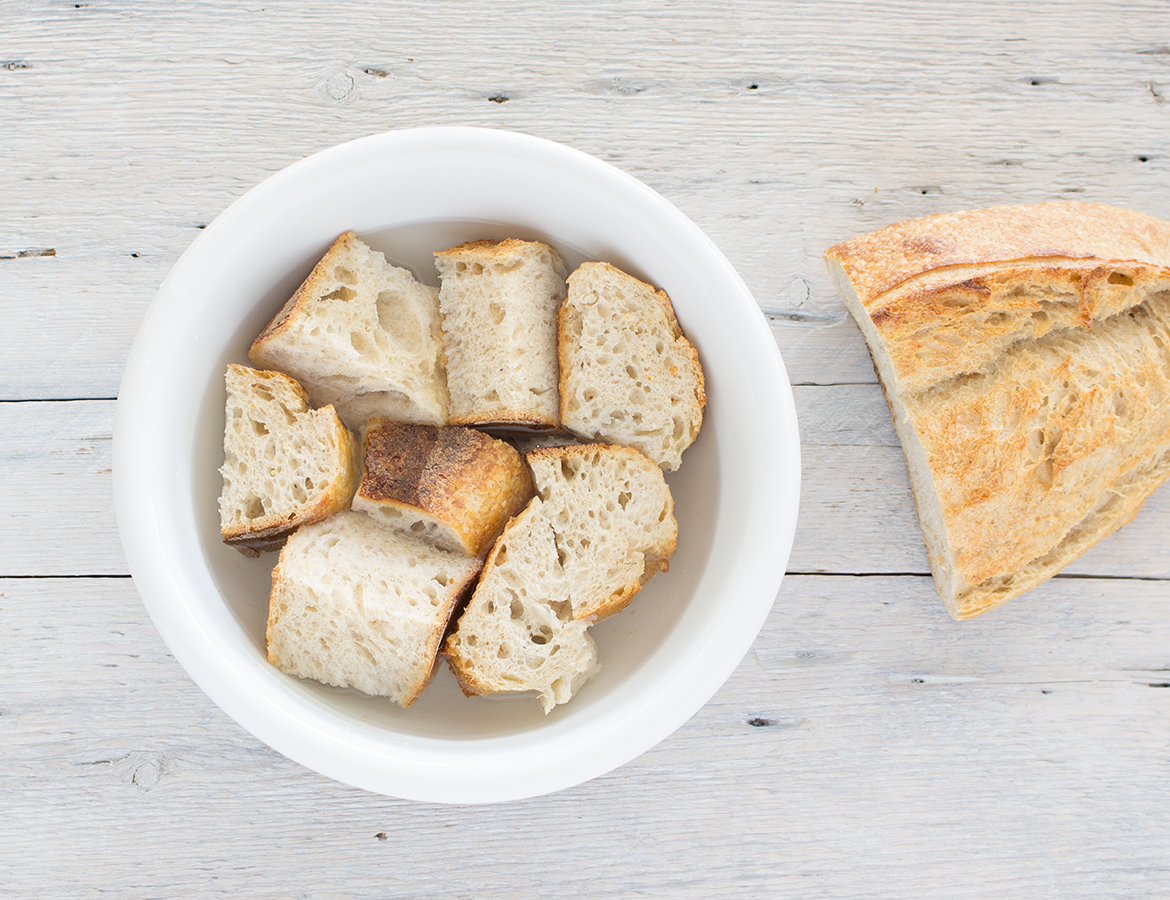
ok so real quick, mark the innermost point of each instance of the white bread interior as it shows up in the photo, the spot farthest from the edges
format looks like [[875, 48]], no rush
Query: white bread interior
[[362, 335], [628, 375]]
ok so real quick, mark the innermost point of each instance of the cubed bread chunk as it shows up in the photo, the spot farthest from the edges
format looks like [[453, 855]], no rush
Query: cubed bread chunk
[[1025, 355], [355, 604], [601, 525], [456, 487], [628, 375], [499, 304], [362, 335], [285, 464]]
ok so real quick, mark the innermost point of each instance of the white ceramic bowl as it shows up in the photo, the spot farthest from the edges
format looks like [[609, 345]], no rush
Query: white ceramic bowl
[[409, 193]]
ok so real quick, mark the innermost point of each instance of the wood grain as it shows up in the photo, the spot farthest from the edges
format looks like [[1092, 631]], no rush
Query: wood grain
[[867, 746]]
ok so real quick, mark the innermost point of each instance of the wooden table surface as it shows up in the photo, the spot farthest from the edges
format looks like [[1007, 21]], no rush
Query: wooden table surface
[[868, 745]]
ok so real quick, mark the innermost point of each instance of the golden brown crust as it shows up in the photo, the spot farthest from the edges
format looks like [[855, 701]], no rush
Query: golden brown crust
[[487, 252], [467, 480], [883, 259], [502, 418]]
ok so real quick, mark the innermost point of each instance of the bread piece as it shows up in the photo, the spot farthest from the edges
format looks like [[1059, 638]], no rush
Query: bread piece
[[600, 526], [499, 304], [363, 335], [285, 464], [1025, 355], [517, 633], [357, 605], [628, 375], [455, 486]]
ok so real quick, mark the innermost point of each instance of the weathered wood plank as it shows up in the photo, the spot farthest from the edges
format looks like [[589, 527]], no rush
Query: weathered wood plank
[[776, 143], [856, 516], [867, 746]]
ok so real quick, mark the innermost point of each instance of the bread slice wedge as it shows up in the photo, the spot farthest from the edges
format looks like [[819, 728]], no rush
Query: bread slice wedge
[[362, 335], [355, 604], [1025, 355], [628, 375], [456, 487], [600, 526], [285, 464], [499, 302]]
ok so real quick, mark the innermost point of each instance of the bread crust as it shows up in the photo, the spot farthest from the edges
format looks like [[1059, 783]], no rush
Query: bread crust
[[1068, 230], [467, 480], [1027, 392]]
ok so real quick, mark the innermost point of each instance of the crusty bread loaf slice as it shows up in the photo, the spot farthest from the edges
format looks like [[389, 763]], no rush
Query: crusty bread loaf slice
[[499, 304], [358, 605], [455, 486], [285, 464], [363, 335], [628, 375], [1025, 355], [600, 526]]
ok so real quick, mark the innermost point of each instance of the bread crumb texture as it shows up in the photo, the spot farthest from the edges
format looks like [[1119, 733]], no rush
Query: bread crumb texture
[[499, 303], [628, 375], [362, 335], [601, 525], [1025, 353], [358, 605], [285, 464]]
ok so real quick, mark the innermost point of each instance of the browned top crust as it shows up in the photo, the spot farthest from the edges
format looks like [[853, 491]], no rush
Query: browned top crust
[[884, 259], [467, 480], [485, 251]]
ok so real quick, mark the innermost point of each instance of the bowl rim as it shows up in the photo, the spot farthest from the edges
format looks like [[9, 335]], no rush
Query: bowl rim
[[435, 769]]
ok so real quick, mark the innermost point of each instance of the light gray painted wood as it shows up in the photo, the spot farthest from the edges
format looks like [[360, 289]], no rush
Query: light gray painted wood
[[895, 752], [856, 515]]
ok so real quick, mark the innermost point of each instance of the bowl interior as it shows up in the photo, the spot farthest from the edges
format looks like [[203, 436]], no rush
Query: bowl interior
[[624, 642]]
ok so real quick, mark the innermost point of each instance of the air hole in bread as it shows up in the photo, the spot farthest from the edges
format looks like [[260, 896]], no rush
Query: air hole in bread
[[253, 507], [505, 652], [517, 610], [418, 527], [262, 392], [259, 427], [495, 313], [562, 608], [542, 636], [501, 555], [397, 318], [362, 344], [344, 275], [1123, 278], [342, 293]]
